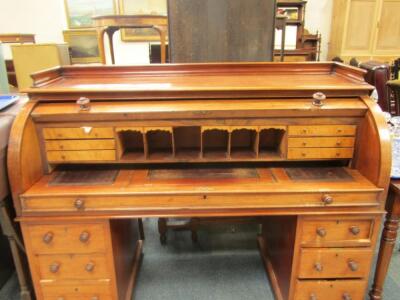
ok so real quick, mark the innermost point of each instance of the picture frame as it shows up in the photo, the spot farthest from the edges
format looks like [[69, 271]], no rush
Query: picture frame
[[79, 13], [141, 7], [83, 46]]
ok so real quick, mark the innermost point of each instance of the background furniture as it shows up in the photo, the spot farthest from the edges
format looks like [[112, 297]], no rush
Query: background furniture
[[30, 58], [388, 240], [221, 31], [365, 29], [3, 73], [110, 24], [394, 85]]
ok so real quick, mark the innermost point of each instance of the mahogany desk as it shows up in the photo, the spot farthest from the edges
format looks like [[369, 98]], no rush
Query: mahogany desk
[[388, 240], [111, 23]]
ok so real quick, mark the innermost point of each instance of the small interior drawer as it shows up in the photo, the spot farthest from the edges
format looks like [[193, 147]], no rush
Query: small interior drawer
[[319, 153], [98, 144], [73, 266], [334, 263], [84, 132], [330, 289], [81, 155], [315, 142], [337, 232], [71, 238], [322, 130]]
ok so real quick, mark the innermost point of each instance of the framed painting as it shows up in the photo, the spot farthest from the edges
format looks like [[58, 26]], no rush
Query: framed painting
[[83, 46], [80, 12], [141, 7]]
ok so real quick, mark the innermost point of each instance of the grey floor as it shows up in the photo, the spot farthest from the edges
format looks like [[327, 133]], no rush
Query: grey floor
[[224, 264]]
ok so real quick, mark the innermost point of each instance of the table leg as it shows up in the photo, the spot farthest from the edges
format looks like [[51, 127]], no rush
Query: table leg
[[163, 38], [388, 241], [100, 42], [110, 33]]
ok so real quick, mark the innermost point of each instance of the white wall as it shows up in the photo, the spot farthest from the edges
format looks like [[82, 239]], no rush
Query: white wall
[[46, 19]]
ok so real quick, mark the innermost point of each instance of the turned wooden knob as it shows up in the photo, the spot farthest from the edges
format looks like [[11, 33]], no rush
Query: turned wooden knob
[[327, 199], [321, 232], [79, 203], [318, 267], [313, 297], [84, 237], [54, 267], [90, 267], [354, 230], [48, 237], [353, 265], [346, 296], [94, 298], [318, 99], [84, 103], [60, 298]]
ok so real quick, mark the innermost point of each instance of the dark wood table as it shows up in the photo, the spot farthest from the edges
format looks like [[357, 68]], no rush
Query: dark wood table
[[388, 240]]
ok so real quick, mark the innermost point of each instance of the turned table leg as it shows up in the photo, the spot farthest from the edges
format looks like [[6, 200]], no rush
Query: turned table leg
[[388, 242]]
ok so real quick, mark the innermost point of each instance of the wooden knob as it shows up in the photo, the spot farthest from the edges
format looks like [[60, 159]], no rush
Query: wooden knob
[[318, 267], [90, 267], [321, 231], [318, 99], [313, 297], [84, 103], [79, 203], [304, 130], [94, 298], [48, 237], [327, 199], [354, 230], [353, 265], [304, 144], [84, 237], [346, 296], [60, 298], [54, 267], [338, 143]]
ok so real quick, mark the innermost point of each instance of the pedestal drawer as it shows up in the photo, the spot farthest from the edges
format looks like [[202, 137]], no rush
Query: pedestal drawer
[[69, 238], [334, 263], [83, 291], [330, 290], [73, 267], [337, 232]]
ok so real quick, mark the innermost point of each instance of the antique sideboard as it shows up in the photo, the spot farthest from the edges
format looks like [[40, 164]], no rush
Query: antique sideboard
[[299, 145]]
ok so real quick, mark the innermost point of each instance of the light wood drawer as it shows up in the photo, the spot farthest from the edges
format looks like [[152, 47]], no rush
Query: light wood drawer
[[330, 289], [315, 142], [151, 202], [319, 153], [322, 130], [71, 238], [78, 133], [84, 155], [83, 291], [73, 267], [80, 145], [334, 263], [337, 232]]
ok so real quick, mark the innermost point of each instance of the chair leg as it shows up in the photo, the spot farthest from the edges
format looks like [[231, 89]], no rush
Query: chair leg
[[141, 229], [162, 230]]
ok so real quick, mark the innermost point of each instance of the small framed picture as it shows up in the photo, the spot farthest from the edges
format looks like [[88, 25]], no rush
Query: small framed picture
[[141, 7], [83, 46], [80, 12]]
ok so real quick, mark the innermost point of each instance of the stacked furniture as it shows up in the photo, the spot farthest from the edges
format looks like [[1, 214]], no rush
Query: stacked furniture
[[97, 148]]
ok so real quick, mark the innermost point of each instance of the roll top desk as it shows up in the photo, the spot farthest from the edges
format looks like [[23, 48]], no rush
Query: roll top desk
[[299, 145]]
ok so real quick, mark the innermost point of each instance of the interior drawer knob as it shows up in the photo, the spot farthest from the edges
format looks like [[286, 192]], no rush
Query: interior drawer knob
[[346, 296], [48, 237], [355, 230], [84, 103], [321, 232], [79, 203], [54, 267], [84, 237], [327, 199], [313, 297], [90, 267], [318, 99], [353, 265], [318, 267]]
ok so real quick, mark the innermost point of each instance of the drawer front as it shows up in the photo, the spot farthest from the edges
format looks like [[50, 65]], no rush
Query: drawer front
[[98, 203], [315, 142], [337, 232], [81, 291], [72, 238], [78, 133], [319, 153], [88, 155], [322, 130], [73, 267], [334, 263], [330, 290], [80, 145]]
